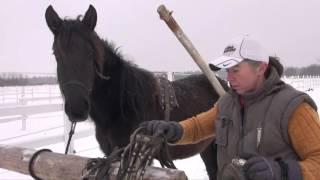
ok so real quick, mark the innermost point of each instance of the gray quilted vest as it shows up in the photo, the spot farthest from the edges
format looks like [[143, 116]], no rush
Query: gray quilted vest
[[261, 127]]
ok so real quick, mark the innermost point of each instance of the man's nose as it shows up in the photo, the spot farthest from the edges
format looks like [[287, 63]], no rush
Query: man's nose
[[229, 76]]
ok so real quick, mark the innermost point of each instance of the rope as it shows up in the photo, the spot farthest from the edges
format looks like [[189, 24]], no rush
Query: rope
[[71, 132], [140, 153], [134, 158], [30, 165], [98, 168]]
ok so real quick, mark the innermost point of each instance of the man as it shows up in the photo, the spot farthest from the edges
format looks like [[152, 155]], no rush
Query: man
[[261, 121]]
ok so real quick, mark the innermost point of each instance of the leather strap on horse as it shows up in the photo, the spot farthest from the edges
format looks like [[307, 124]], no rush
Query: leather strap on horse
[[167, 98], [140, 153], [134, 158]]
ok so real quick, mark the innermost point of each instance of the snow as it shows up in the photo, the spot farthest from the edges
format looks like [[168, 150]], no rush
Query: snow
[[51, 124]]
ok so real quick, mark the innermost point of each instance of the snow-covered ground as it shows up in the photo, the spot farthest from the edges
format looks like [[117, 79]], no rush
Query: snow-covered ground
[[51, 124]]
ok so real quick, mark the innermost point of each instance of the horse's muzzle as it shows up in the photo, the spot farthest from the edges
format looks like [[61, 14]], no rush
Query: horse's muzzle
[[77, 112]]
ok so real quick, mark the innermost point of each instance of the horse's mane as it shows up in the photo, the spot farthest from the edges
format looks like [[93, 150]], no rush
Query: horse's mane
[[137, 90], [137, 87]]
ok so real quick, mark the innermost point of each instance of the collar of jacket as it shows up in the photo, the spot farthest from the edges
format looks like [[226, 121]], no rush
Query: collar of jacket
[[271, 84]]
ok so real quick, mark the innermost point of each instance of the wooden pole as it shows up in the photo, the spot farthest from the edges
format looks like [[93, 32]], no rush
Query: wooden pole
[[55, 166], [175, 28]]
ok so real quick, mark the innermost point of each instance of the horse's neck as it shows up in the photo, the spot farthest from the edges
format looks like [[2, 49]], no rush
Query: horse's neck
[[130, 93]]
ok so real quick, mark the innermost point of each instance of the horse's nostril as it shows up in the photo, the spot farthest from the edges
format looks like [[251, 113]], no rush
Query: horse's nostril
[[77, 110], [67, 108]]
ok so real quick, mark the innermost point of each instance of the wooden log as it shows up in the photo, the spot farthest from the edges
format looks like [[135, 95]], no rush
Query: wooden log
[[56, 166], [166, 16]]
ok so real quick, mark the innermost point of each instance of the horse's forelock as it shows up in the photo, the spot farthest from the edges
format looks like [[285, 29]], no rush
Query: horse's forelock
[[71, 26]]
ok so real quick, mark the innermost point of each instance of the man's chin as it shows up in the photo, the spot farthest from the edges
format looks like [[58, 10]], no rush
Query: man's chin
[[239, 91]]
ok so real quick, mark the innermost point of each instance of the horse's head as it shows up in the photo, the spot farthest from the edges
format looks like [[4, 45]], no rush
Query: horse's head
[[79, 55]]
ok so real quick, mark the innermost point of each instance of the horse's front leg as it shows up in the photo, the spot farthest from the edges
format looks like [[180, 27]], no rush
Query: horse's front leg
[[104, 141], [110, 140]]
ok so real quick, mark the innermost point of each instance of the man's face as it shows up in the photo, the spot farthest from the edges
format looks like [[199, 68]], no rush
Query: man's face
[[245, 77]]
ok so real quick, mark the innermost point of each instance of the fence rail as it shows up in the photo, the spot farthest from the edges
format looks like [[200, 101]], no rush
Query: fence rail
[[20, 102]]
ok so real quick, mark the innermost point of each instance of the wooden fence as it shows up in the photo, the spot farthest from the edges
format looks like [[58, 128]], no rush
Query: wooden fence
[[55, 166]]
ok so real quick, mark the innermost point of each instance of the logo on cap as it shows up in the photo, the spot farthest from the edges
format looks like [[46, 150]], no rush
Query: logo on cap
[[229, 49], [226, 64]]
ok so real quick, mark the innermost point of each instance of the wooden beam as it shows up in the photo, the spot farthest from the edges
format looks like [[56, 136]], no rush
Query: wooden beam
[[166, 16], [56, 166]]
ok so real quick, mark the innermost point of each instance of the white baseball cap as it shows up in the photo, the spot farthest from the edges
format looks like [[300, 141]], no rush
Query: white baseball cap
[[238, 50]]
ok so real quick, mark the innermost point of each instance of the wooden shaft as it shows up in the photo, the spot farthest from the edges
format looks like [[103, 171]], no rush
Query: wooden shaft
[[175, 28], [56, 166]]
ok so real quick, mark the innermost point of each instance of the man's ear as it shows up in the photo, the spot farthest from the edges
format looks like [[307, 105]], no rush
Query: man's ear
[[262, 68]]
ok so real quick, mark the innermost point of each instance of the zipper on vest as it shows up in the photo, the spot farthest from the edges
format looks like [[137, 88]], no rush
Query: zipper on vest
[[259, 133], [242, 125]]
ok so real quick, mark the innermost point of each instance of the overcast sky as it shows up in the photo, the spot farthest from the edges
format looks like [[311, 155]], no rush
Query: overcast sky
[[289, 29]]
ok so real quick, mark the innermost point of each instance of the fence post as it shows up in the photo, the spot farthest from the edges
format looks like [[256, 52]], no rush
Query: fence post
[[170, 75], [3, 94], [17, 95], [24, 122], [22, 102], [50, 94]]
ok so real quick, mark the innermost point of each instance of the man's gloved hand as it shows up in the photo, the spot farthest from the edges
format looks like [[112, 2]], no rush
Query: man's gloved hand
[[171, 130], [261, 168]]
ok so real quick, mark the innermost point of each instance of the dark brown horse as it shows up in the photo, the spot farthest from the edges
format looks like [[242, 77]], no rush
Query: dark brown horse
[[97, 82]]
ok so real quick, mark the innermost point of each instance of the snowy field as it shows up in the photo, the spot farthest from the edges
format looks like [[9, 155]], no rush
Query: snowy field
[[25, 130]]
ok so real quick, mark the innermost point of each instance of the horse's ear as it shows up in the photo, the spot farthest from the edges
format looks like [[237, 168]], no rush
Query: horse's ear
[[90, 18], [53, 20]]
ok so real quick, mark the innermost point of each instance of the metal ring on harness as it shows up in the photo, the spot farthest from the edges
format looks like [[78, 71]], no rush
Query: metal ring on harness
[[33, 157], [233, 170]]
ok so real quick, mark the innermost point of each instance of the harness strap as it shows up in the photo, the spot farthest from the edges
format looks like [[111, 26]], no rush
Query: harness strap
[[134, 158], [167, 98]]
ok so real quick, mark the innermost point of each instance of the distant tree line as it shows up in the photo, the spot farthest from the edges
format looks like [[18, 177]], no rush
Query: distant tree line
[[312, 70], [20, 79]]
